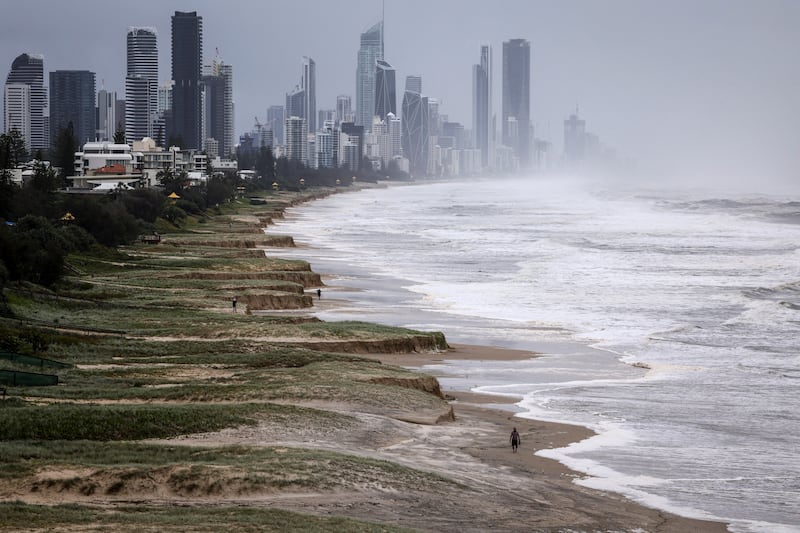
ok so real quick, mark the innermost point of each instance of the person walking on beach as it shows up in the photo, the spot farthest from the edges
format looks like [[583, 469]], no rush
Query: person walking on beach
[[515, 440], [233, 303], [319, 294]]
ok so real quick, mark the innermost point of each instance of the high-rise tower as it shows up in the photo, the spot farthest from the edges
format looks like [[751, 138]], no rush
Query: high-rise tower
[[72, 101], [309, 83], [297, 139], [415, 133], [276, 119], [517, 97], [106, 115], [141, 84], [385, 97], [574, 138], [217, 116], [370, 51], [482, 106], [302, 101], [187, 57], [344, 112], [28, 69], [414, 84], [17, 109]]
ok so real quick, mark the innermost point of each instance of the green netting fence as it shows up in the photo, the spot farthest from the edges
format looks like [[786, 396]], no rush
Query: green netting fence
[[31, 360], [15, 378]]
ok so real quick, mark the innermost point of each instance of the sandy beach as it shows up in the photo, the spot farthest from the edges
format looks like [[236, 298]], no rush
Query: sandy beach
[[540, 478], [507, 491], [404, 452]]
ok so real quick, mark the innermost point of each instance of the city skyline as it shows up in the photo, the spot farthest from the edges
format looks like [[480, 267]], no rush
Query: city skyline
[[652, 80]]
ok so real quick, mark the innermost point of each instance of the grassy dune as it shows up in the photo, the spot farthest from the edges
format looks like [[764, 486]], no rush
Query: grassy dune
[[159, 354]]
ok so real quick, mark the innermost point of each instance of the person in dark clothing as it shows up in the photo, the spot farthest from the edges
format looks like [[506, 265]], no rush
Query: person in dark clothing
[[515, 440], [233, 303], [319, 293]]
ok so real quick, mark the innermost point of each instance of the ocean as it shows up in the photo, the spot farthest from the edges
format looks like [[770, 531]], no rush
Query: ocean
[[668, 321]]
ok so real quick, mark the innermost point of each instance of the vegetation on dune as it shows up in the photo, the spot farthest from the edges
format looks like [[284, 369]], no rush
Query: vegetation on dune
[[157, 353], [20, 421], [200, 518]]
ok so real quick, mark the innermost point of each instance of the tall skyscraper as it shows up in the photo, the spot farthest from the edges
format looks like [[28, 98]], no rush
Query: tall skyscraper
[[482, 106], [28, 69], [351, 145], [309, 83], [302, 100], [213, 115], [141, 84], [385, 98], [344, 110], [414, 137], [72, 95], [228, 133], [217, 116], [106, 115], [276, 119], [574, 138], [17, 110], [370, 51], [297, 139], [434, 119], [165, 96], [517, 97], [414, 84], [187, 57], [325, 115], [295, 102]]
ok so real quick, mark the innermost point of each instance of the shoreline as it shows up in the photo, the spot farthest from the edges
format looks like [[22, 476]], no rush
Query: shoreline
[[490, 410], [498, 412]]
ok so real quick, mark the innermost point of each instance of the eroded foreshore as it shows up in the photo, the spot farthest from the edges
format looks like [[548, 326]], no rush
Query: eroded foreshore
[[476, 410], [180, 412]]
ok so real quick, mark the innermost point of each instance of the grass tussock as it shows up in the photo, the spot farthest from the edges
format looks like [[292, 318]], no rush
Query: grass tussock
[[138, 518]]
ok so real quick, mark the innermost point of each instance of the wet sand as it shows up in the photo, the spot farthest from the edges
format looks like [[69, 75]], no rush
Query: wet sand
[[491, 446]]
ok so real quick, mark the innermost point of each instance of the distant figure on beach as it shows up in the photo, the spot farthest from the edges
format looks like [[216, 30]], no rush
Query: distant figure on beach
[[233, 303], [319, 293], [515, 440]]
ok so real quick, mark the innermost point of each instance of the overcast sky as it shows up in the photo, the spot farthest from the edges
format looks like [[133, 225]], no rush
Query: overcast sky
[[696, 87]]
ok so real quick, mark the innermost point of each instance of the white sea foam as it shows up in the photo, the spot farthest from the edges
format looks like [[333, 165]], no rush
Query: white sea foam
[[701, 289]]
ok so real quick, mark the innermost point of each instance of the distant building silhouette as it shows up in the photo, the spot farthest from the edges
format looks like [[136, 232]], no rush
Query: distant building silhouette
[[106, 115], [574, 138], [72, 95], [297, 139], [369, 52], [187, 57], [28, 69], [217, 117], [414, 84], [482, 106], [415, 132], [344, 109], [141, 83], [309, 82], [17, 110], [276, 120], [302, 101], [351, 145], [516, 97], [385, 96], [295, 102]]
